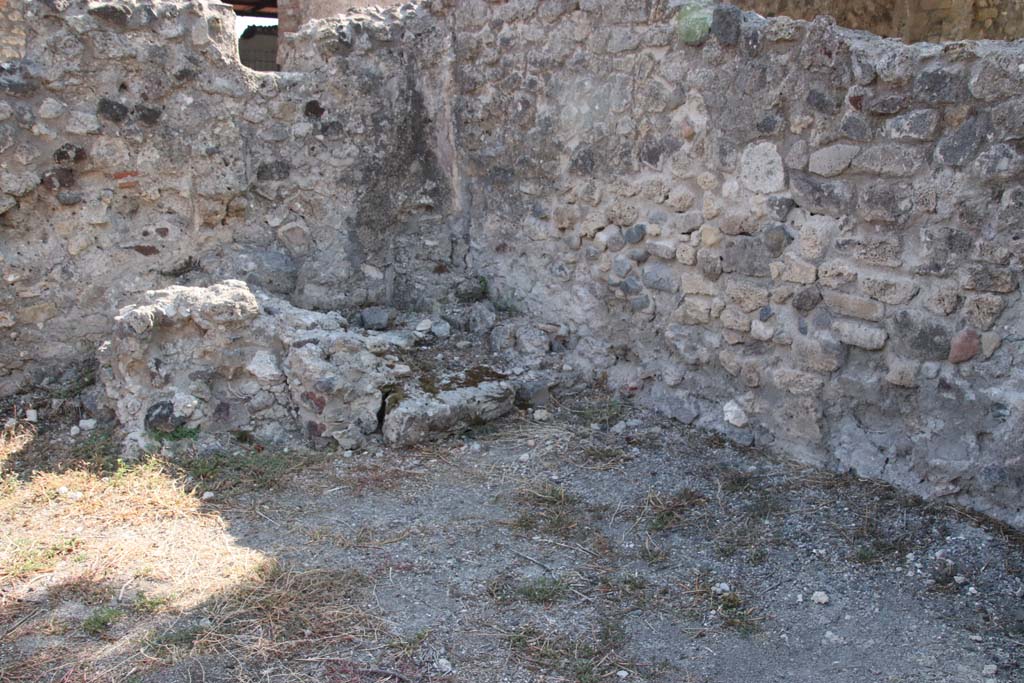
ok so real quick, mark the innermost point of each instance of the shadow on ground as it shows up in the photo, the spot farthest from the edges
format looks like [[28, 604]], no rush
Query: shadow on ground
[[604, 543]]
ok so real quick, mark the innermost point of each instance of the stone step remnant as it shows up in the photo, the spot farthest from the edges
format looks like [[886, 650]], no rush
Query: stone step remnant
[[224, 358]]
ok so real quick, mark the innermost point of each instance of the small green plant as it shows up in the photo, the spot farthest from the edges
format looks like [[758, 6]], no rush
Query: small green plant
[[100, 451], [32, 560], [85, 379], [634, 583], [729, 605], [550, 495], [543, 590], [605, 413], [9, 483], [101, 620], [255, 468], [525, 521], [144, 603], [652, 553], [183, 637], [588, 659], [604, 454], [735, 481], [181, 433], [736, 614]]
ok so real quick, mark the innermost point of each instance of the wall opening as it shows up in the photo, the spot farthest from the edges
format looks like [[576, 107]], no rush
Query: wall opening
[[257, 31], [257, 43]]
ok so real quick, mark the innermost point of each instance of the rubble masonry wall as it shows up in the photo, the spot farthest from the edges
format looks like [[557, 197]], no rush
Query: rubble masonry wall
[[805, 237]]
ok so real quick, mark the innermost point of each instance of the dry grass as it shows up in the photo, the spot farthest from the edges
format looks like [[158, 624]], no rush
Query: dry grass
[[587, 658], [13, 440], [279, 612], [365, 537], [90, 558], [669, 511], [549, 508], [730, 608], [110, 570], [372, 478]]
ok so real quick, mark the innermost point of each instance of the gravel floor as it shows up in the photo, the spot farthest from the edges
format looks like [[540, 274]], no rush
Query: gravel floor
[[602, 543]]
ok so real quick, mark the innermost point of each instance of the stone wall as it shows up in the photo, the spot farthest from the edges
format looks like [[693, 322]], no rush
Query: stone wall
[[12, 33], [793, 233], [803, 237], [138, 153]]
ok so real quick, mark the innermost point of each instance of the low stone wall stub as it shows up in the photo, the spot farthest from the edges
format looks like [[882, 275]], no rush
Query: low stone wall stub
[[225, 359]]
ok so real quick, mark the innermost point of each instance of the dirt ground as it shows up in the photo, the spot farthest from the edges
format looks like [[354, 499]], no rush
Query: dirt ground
[[603, 543]]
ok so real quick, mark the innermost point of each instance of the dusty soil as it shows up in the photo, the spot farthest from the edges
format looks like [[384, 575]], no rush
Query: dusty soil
[[604, 543]]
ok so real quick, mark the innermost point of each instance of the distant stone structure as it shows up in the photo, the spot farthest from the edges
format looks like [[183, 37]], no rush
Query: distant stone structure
[[294, 13], [911, 20], [12, 29], [257, 48], [806, 238]]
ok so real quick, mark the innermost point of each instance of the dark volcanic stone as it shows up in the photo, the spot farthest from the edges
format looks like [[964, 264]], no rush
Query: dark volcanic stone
[[806, 299], [938, 86], [780, 207], [68, 154], [856, 128], [776, 238], [746, 256], [635, 234], [112, 110], [822, 102], [69, 198], [313, 110], [886, 104], [961, 146], [58, 179], [726, 23], [377, 317], [161, 418], [15, 80], [115, 13], [274, 170], [916, 336], [148, 115], [832, 197]]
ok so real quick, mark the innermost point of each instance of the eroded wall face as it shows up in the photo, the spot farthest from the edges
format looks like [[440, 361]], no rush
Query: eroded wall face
[[795, 234], [137, 153], [802, 237]]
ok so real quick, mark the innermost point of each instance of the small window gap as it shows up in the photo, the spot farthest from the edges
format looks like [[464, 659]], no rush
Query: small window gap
[[257, 42]]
